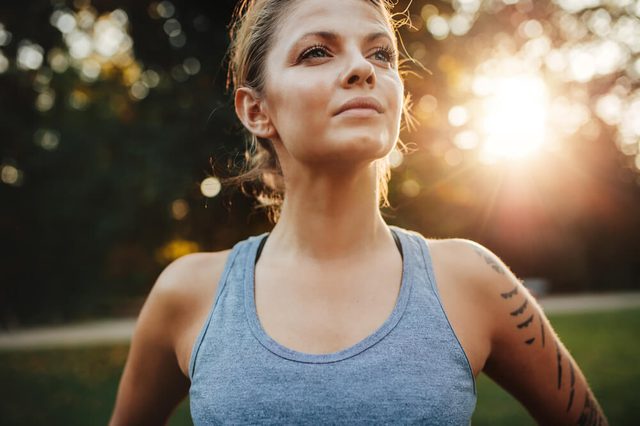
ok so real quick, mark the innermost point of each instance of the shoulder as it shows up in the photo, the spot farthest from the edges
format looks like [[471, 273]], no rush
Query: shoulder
[[178, 304], [473, 276], [472, 263], [154, 379], [182, 277], [182, 290], [468, 278]]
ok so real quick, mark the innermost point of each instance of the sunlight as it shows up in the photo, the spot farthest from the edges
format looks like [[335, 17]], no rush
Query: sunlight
[[514, 119]]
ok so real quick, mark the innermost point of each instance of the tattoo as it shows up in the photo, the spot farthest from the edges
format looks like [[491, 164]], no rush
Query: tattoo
[[520, 309], [509, 294], [526, 322], [490, 261], [542, 330], [530, 341], [570, 400], [573, 382], [559, 357], [590, 415], [573, 377]]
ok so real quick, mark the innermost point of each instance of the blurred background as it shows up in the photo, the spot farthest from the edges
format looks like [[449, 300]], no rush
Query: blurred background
[[116, 127]]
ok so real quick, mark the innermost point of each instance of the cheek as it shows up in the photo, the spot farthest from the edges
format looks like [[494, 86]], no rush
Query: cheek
[[396, 99], [299, 106]]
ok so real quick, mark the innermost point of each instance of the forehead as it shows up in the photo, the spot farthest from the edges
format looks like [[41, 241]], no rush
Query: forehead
[[342, 17]]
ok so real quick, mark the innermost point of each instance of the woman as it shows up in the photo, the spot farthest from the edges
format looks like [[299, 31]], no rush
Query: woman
[[334, 316]]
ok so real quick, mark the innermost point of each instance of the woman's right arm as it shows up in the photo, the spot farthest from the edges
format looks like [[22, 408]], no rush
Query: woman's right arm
[[152, 383]]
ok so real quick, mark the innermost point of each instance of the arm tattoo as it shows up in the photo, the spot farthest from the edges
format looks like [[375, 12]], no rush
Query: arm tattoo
[[490, 261], [559, 357], [526, 322], [590, 415], [520, 309], [509, 294], [573, 382]]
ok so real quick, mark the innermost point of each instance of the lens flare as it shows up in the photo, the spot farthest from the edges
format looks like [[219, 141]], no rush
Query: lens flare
[[515, 117]]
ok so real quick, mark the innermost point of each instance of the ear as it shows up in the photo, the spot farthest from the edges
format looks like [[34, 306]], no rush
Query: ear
[[252, 112]]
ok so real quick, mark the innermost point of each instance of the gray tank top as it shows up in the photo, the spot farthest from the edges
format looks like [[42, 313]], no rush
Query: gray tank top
[[412, 369]]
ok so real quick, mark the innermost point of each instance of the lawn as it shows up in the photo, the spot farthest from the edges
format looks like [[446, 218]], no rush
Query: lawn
[[78, 386]]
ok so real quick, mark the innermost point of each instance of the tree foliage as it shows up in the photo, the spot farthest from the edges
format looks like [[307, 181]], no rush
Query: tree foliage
[[113, 113]]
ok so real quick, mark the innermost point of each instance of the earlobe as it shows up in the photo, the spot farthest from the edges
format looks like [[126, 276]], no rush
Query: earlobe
[[251, 111]]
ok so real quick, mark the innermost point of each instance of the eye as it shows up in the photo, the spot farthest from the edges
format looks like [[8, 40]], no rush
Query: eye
[[385, 54], [315, 51]]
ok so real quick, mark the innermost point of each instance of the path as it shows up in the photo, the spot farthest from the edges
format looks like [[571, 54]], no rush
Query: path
[[120, 330]]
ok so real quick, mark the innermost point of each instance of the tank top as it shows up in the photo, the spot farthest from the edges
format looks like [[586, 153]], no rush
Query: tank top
[[412, 369]]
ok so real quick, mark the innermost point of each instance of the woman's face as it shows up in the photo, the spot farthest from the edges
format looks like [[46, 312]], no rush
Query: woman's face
[[324, 55]]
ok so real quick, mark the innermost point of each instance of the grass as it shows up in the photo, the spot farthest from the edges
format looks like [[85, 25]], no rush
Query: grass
[[78, 386], [606, 346]]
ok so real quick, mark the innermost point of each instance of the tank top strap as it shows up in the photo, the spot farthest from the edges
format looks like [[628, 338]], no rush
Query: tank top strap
[[423, 265], [232, 268], [422, 261]]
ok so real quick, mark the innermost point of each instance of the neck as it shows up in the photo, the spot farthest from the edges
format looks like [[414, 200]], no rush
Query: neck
[[330, 216]]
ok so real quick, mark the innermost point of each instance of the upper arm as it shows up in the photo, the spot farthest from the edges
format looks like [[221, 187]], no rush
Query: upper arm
[[152, 383], [526, 357]]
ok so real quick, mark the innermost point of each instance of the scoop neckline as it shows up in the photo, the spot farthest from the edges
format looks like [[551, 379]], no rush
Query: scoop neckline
[[353, 350]]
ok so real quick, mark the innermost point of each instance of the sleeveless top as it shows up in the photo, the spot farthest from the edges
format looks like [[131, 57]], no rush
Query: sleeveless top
[[412, 369]]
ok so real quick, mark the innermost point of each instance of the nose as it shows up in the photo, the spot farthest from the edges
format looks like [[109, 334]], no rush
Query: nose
[[359, 71]]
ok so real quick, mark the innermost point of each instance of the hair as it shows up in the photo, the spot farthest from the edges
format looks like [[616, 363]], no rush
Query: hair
[[252, 32]]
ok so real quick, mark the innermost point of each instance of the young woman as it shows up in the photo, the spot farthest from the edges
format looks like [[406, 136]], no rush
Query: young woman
[[335, 316]]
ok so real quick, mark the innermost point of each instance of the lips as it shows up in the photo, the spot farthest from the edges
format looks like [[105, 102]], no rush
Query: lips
[[361, 103]]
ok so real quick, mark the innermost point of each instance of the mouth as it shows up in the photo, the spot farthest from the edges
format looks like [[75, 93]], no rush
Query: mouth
[[361, 107]]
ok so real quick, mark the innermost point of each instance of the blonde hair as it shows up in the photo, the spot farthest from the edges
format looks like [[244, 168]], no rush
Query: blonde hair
[[251, 33]]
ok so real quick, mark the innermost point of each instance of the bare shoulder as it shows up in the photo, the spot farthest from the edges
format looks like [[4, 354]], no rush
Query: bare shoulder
[[155, 377], [186, 277], [476, 273], [476, 269], [468, 277], [181, 298]]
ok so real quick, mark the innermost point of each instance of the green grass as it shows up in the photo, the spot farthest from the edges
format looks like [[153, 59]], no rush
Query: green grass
[[78, 386], [606, 346], [64, 386]]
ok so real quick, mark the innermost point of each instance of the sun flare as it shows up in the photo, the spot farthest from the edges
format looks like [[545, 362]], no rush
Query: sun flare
[[514, 118]]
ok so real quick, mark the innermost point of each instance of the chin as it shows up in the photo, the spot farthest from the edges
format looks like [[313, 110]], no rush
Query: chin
[[362, 150], [346, 147], [365, 140]]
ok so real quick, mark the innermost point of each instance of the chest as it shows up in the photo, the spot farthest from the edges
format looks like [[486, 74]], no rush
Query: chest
[[372, 390], [326, 311], [411, 371]]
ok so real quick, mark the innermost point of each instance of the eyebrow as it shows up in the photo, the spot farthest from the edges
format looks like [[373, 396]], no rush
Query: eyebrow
[[327, 35]]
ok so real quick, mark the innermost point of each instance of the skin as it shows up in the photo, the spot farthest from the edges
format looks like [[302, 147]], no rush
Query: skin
[[332, 233]]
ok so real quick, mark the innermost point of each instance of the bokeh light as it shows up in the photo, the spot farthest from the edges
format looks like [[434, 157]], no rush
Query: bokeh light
[[410, 188], [11, 175], [5, 36], [179, 209], [175, 249], [210, 187], [30, 55], [47, 139], [395, 158]]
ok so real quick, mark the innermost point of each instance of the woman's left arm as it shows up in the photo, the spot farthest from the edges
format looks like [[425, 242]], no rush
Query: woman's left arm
[[527, 358]]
